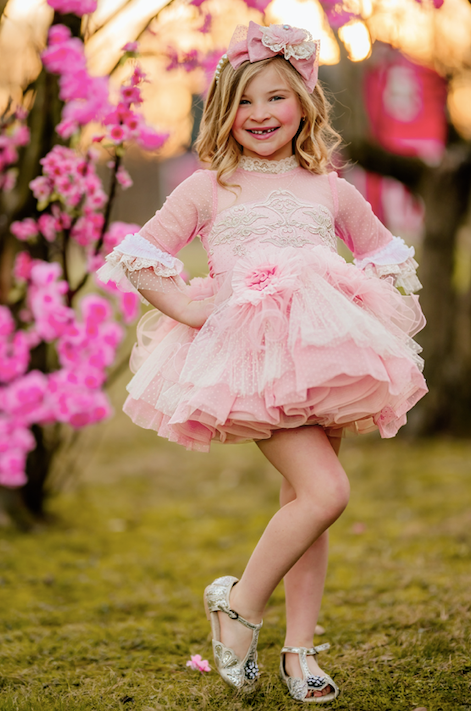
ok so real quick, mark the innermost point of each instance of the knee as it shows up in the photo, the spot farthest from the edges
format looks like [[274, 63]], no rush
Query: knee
[[330, 500]]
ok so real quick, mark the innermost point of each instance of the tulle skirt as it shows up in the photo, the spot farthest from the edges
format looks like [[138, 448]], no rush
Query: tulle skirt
[[298, 337]]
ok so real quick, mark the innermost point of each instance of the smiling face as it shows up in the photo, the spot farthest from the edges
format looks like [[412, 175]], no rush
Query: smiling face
[[268, 116]]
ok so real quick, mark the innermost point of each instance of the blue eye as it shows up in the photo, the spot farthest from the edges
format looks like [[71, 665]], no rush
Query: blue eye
[[275, 98], [244, 101]]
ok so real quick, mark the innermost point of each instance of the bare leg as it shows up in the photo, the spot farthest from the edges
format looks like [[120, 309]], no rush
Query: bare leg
[[307, 461], [304, 586]]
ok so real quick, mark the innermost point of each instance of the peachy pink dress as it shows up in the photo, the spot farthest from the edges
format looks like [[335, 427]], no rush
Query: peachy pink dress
[[298, 336]]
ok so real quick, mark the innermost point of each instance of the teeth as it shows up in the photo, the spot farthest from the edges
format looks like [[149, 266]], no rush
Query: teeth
[[268, 130]]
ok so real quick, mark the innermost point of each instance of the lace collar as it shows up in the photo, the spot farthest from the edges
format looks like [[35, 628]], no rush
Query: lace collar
[[260, 165]]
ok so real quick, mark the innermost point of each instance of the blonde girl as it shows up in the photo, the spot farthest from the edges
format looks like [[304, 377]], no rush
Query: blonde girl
[[284, 343]]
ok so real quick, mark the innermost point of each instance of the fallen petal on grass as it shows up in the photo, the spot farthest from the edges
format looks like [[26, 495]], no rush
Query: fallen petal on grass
[[198, 664]]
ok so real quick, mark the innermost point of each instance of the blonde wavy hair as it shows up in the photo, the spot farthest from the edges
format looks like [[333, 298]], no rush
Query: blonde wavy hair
[[313, 144]]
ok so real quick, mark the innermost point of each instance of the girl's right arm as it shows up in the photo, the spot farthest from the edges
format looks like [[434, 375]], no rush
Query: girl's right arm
[[176, 304], [145, 262]]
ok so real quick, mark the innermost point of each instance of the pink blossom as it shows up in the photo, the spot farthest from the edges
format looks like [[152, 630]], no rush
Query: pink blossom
[[116, 232], [149, 138], [95, 309], [21, 135], [130, 47], [24, 230], [129, 304], [206, 26], [21, 113], [58, 34], [24, 396], [117, 134], [190, 60], [67, 128], [77, 7], [138, 75], [74, 403], [41, 188], [132, 123], [123, 177], [337, 16], [14, 434], [45, 273], [112, 335], [260, 5], [22, 267], [64, 57], [7, 324], [47, 226], [9, 180], [14, 356], [131, 94], [85, 232], [12, 468], [198, 664]]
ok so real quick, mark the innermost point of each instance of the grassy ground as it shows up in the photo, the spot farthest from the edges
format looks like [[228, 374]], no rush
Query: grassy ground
[[102, 609]]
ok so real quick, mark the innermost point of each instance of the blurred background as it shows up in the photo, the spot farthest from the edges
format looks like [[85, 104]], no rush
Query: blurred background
[[101, 607], [398, 73]]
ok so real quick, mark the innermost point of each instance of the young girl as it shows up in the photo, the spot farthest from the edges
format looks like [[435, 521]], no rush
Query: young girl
[[284, 343]]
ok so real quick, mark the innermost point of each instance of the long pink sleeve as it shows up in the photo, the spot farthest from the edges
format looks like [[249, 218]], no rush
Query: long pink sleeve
[[375, 249], [146, 260]]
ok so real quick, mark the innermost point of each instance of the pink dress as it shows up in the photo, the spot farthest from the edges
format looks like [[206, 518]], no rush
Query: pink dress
[[298, 336]]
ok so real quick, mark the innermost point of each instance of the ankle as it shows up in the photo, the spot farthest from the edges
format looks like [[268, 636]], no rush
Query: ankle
[[297, 643], [238, 604]]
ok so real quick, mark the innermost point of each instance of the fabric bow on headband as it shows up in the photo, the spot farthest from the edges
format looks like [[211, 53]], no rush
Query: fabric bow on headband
[[254, 43]]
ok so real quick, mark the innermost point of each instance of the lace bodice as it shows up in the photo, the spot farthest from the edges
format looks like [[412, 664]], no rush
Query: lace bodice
[[267, 202]]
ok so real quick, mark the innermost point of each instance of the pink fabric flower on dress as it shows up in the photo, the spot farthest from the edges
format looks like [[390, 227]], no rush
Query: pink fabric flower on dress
[[263, 275], [198, 664]]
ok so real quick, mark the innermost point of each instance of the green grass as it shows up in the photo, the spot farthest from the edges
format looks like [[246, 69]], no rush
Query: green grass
[[102, 609]]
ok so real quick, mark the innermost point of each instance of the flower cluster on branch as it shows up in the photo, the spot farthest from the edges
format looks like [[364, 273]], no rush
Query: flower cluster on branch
[[56, 348]]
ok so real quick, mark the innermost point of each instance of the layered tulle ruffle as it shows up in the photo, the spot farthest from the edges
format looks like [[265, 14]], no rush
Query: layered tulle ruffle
[[297, 337]]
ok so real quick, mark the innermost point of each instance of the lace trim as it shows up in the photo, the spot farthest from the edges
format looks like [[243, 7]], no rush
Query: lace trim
[[403, 274], [136, 264], [135, 245], [395, 252], [259, 165]]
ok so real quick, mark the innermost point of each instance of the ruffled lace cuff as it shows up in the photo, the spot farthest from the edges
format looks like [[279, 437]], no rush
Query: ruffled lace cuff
[[395, 260], [137, 264]]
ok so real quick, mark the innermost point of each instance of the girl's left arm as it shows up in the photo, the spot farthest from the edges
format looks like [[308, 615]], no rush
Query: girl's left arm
[[375, 249]]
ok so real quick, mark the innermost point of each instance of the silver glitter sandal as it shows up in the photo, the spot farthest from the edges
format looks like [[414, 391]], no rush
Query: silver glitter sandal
[[240, 674], [299, 688]]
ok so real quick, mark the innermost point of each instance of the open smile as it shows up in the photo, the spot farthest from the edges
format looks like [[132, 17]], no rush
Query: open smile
[[262, 132]]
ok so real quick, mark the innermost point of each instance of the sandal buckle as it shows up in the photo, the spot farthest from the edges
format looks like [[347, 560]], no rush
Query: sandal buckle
[[233, 614]]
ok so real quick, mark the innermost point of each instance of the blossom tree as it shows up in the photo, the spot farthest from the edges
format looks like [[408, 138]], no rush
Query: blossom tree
[[58, 340]]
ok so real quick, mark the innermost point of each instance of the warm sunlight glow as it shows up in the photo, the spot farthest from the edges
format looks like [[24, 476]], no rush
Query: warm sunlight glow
[[310, 16], [21, 9], [459, 106], [103, 48], [356, 39]]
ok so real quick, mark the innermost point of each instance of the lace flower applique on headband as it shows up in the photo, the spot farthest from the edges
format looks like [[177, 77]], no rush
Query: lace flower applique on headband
[[291, 41]]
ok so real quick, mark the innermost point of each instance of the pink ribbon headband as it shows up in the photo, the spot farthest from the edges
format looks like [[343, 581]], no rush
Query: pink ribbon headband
[[296, 45]]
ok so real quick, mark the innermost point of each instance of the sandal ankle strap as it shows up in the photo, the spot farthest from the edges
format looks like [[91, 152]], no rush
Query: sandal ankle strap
[[235, 616], [308, 651]]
